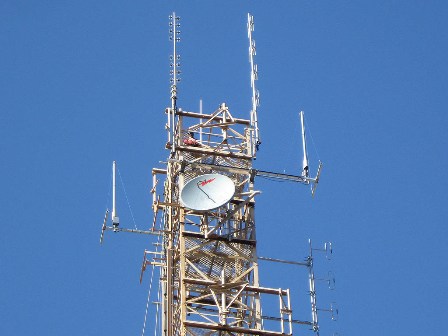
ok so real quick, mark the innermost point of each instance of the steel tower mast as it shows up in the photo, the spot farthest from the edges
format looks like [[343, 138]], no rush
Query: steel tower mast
[[208, 258]]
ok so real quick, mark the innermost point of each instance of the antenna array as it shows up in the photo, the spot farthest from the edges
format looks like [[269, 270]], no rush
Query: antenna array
[[253, 78], [175, 57], [205, 214], [174, 31]]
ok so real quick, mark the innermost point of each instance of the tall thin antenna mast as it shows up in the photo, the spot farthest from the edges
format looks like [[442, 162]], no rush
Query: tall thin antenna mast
[[253, 78], [175, 58], [174, 72]]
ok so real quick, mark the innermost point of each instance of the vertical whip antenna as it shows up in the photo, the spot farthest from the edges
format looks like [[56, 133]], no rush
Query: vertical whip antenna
[[115, 219], [305, 167], [253, 78]]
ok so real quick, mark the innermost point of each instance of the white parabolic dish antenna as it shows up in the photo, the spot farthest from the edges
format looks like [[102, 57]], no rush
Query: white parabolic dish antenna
[[207, 192]]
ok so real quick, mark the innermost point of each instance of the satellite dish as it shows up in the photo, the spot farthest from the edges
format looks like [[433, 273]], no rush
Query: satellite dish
[[207, 192]]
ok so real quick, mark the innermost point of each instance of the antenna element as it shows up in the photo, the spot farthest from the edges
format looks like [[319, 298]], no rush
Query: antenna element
[[115, 218], [253, 78], [305, 168], [174, 58], [174, 79]]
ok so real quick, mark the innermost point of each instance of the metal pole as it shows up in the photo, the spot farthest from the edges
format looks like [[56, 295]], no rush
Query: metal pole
[[200, 120], [289, 311], [223, 299], [282, 323]]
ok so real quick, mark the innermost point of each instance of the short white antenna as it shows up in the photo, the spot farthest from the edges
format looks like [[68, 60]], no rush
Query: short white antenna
[[115, 219], [305, 167], [253, 78]]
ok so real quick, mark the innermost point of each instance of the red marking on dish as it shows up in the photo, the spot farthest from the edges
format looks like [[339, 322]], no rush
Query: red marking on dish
[[203, 183]]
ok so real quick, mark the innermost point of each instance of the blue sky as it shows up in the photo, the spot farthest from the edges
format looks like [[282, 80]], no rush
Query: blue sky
[[84, 83]]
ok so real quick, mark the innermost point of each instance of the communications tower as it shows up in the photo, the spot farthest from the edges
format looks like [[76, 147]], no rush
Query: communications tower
[[204, 212]]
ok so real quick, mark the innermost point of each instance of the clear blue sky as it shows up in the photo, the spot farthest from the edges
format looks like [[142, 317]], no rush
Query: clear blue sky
[[83, 83]]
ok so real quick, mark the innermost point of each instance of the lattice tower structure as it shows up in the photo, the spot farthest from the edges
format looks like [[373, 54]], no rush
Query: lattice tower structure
[[209, 260], [209, 276]]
